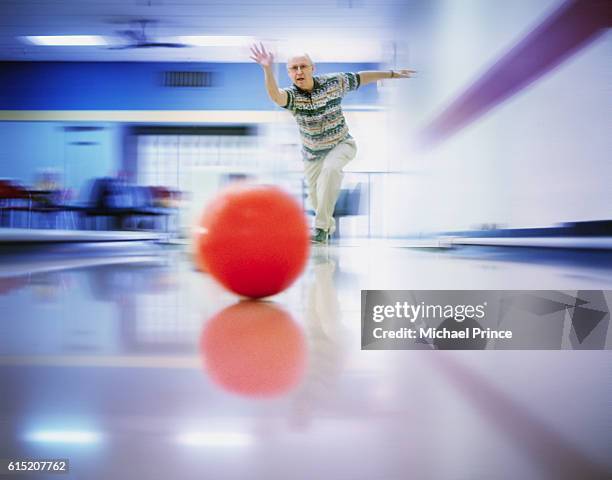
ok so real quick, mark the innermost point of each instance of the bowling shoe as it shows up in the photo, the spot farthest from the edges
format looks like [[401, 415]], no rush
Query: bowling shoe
[[320, 236]]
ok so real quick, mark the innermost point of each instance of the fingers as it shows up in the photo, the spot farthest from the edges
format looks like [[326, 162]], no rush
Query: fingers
[[259, 53], [405, 73], [254, 50]]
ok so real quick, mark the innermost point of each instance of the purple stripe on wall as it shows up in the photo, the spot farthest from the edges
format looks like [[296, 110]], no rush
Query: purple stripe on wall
[[569, 29]]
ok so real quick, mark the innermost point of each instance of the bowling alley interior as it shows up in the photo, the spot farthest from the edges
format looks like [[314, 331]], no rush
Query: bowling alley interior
[[164, 311]]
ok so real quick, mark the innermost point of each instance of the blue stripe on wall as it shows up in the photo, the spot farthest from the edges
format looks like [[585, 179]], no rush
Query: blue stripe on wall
[[139, 86]]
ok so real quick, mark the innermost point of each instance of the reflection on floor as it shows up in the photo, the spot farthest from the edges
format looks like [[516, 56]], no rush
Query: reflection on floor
[[134, 365]]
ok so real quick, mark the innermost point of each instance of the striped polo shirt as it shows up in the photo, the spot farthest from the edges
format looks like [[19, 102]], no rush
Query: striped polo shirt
[[318, 112]]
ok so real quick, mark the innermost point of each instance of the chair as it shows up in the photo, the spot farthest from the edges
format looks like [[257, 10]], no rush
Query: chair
[[348, 204], [14, 199]]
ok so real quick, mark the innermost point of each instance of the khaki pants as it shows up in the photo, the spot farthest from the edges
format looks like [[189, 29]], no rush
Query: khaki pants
[[324, 178]]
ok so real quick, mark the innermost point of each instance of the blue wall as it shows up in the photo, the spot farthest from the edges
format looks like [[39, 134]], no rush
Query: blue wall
[[138, 86], [26, 148]]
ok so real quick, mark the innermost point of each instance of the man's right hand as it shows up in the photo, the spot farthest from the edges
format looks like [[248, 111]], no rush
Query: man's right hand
[[261, 56], [266, 60]]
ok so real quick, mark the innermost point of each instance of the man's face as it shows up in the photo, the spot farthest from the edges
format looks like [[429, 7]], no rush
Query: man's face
[[300, 71]]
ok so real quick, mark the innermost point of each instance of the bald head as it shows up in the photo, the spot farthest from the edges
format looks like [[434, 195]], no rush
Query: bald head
[[300, 58]]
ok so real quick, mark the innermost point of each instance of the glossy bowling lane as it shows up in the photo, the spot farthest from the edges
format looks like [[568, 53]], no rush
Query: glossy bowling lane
[[132, 364]]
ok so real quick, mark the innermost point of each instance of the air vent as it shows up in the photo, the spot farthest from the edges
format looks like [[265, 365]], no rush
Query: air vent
[[188, 79]]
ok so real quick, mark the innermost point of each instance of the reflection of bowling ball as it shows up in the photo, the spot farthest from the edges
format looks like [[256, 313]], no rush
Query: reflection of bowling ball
[[254, 349], [253, 239]]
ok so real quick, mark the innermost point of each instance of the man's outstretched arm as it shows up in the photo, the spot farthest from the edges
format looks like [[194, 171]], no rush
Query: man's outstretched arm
[[371, 76], [266, 60]]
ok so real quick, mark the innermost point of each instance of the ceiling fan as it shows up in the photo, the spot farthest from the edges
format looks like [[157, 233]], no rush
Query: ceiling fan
[[137, 37]]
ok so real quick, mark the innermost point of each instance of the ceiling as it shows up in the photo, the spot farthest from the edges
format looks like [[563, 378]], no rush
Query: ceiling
[[332, 30]]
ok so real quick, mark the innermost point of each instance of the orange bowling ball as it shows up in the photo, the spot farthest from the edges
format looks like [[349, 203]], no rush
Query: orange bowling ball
[[253, 239], [254, 349]]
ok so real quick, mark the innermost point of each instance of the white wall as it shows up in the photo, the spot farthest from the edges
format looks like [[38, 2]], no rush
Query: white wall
[[539, 158]]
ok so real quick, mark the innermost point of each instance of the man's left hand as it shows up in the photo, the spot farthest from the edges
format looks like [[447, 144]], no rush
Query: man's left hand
[[404, 73]]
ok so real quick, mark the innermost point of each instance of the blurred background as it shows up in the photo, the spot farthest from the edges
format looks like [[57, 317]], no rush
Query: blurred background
[[119, 120], [505, 126]]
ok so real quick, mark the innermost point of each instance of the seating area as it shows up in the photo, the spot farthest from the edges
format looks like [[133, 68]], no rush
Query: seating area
[[111, 204]]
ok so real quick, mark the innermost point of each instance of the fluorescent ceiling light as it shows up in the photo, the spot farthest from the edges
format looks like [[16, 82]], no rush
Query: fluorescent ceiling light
[[63, 436], [216, 40], [67, 40]]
